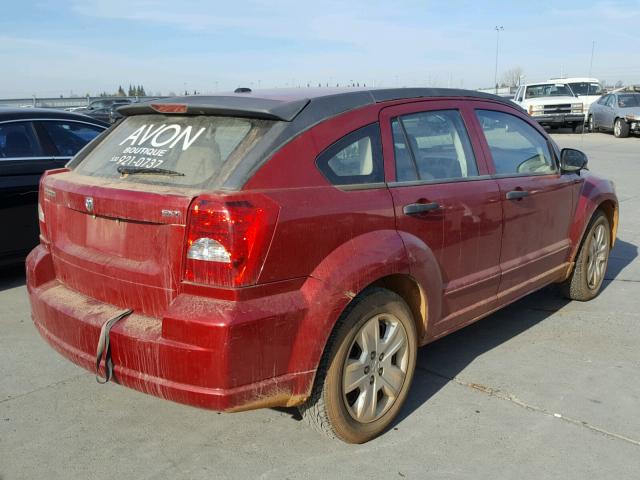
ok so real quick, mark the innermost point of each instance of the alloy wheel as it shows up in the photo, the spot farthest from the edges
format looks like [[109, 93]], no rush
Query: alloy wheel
[[375, 368], [597, 259]]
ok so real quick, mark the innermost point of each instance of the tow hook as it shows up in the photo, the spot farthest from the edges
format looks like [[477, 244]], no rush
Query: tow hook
[[105, 347]]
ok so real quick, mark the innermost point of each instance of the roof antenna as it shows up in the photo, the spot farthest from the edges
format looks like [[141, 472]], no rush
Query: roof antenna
[[242, 90]]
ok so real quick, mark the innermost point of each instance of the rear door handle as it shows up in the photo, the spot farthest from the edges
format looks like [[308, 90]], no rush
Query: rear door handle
[[415, 208], [517, 194]]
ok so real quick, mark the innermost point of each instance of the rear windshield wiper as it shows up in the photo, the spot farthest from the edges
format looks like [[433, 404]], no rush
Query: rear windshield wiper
[[129, 170]]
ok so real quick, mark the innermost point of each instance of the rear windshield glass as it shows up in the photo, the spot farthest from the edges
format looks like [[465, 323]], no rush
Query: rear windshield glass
[[173, 150]]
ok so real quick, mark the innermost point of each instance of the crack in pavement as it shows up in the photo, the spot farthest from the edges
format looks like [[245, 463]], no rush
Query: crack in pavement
[[493, 392], [631, 280], [21, 395]]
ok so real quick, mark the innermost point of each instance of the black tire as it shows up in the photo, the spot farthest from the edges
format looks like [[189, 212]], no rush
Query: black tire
[[578, 285], [620, 128], [577, 128], [328, 409]]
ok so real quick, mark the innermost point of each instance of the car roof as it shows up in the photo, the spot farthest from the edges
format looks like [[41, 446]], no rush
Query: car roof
[[317, 104], [548, 82], [295, 111], [9, 113], [575, 79]]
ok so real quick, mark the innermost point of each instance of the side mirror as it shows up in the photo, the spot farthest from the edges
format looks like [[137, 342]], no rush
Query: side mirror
[[572, 161]]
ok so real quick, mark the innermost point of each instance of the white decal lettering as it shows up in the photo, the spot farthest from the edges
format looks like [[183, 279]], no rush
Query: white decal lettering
[[157, 143], [134, 136], [188, 141], [148, 134]]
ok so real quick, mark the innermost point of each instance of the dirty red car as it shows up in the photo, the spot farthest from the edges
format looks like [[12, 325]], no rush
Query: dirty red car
[[295, 248]]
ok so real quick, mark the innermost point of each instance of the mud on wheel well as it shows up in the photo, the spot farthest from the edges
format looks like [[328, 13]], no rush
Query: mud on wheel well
[[610, 209], [407, 288]]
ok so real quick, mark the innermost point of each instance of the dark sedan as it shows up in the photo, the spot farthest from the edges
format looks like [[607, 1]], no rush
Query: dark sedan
[[106, 112], [31, 141]]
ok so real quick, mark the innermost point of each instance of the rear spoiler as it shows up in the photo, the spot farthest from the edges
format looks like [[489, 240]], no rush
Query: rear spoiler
[[230, 106]]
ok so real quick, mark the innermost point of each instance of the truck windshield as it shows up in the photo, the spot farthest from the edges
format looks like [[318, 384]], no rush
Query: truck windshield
[[185, 150], [586, 88], [548, 90]]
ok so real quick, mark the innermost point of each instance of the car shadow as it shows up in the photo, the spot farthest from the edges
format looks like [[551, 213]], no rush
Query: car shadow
[[11, 277], [623, 254], [442, 361]]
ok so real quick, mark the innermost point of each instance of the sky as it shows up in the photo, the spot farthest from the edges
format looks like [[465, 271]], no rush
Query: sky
[[52, 48]]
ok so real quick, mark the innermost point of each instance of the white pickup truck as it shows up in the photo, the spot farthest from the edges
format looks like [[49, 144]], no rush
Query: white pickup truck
[[551, 104], [587, 89]]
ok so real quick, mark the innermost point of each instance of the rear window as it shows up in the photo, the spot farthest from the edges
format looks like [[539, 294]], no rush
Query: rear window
[[173, 150]]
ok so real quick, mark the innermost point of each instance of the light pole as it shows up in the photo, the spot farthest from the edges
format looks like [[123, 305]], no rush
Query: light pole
[[495, 77]]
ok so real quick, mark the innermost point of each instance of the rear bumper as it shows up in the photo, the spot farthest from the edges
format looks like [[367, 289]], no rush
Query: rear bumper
[[207, 353]]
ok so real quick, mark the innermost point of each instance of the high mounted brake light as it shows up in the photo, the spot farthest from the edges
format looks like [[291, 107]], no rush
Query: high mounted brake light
[[169, 107], [228, 239]]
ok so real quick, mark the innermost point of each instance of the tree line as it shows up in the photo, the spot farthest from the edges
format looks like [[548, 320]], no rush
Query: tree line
[[133, 91]]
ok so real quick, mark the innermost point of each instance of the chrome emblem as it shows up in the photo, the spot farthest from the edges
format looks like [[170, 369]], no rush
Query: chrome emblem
[[88, 204]]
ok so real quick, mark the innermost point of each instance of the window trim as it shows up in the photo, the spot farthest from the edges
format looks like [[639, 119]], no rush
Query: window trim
[[415, 165], [438, 181], [375, 179], [497, 175]]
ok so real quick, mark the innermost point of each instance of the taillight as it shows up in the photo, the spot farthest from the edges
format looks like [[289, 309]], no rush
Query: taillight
[[45, 193], [228, 239]]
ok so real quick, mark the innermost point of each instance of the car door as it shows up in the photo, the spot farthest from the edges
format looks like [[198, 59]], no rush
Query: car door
[[537, 201], [594, 111], [608, 112], [444, 198], [22, 161]]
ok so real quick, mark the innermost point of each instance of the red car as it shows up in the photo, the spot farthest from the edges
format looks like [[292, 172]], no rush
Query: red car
[[295, 248]]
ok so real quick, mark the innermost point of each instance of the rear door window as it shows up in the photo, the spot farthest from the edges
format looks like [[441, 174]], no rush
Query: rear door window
[[172, 150], [18, 140], [66, 138], [432, 145]]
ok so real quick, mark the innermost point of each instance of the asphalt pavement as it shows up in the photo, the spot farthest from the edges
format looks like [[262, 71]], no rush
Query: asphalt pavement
[[544, 388]]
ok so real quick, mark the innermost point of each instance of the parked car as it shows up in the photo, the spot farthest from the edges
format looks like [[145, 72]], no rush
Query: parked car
[[107, 114], [617, 112], [551, 104], [103, 103], [587, 89], [295, 248], [31, 141]]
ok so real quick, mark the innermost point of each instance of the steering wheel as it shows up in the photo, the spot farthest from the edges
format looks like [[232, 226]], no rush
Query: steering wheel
[[531, 164]]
